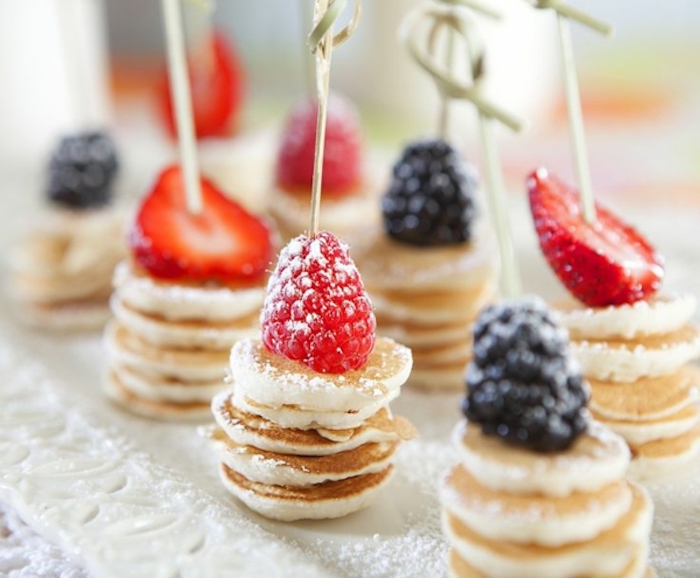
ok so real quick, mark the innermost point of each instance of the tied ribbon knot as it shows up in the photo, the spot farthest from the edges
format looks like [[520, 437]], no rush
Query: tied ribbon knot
[[422, 50], [564, 9], [317, 36]]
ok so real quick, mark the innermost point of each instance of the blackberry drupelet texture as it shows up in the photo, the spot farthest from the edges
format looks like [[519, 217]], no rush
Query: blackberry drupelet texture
[[522, 386], [431, 198], [81, 171]]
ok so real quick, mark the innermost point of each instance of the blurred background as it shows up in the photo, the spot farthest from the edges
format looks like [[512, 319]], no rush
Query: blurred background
[[67, 64]]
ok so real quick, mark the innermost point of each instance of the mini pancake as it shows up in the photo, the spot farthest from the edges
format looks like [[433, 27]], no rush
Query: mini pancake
[[533, 518], [296, 417], [125, 348], [647, 398], [388, 264], [177, 302], [297, 471], [628, 361], [70, 317], [638, 568], [164, 389], [184, 334], [660, 315], [660, 457], [327, 500], [456, 353], [272, 381], [596, 459], [416, 336], [608, 554], [666, 427], [248, 429], [161, 410], [430, 308], [448, 377]]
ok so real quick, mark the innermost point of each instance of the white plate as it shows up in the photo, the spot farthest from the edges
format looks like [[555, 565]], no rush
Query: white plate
[[132, 497]]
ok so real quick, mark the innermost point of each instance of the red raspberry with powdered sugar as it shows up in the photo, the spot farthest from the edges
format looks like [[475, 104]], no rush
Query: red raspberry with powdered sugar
[[317, 311]]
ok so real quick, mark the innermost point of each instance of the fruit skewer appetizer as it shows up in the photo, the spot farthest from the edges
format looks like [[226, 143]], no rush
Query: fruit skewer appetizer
[[193, 284], [635, 343], [61, 271], [539, 490], [432, 268]]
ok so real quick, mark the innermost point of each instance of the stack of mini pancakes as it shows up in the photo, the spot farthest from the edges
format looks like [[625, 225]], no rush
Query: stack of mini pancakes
[[62, 272], [428, 298], [636, 358], [297, 444], [168, 345], [513, 513]]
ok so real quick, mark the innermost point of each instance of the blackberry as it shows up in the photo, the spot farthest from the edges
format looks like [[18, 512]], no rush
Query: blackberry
[[431, 198], [81, 171], [522, 385]]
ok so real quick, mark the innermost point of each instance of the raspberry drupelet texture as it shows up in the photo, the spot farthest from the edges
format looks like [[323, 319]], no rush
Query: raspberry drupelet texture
[[522, 385], [317, 311], [81, 171], [431, 198]]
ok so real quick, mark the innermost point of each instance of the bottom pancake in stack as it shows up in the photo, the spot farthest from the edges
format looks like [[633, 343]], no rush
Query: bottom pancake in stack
[[169, 344], [636, 358], [297, 444]]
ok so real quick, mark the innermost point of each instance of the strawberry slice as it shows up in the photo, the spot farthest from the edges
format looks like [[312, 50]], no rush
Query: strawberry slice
[[606, 263], [342, 159], [224, 243], [218, 87]]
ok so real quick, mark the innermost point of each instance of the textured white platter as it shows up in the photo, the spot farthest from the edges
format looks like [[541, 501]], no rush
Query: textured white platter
[[130, 497]]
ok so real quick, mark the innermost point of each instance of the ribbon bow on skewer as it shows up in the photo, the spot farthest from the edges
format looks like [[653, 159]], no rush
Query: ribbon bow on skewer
[[422, 50]]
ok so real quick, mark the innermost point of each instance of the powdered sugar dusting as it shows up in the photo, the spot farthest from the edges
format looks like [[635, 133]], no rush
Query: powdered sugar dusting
[[316, 310]]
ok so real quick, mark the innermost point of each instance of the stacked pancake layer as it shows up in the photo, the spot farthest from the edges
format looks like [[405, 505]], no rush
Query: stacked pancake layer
[[342, 215], [428, 298], [637, 360], [61, 275], [168, 344], [296, 444], [513, 513]]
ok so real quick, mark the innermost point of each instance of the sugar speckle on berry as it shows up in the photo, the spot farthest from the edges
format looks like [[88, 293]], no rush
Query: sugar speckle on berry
[[317, 310]]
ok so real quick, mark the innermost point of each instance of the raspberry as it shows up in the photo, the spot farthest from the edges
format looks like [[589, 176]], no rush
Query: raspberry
[[342, 158], [317, 311], [522, 386]]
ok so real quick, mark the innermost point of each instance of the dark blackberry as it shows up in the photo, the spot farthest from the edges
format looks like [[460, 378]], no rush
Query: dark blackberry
[[431, 197], [522, 385], [81, 171]]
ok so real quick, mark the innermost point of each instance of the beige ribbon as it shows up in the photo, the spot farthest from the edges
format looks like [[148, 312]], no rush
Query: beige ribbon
[[422, 49], [328, 20]]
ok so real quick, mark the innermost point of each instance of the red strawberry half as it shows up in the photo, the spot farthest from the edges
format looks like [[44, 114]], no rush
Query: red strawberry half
[[342, 158], [218, 89], [224, 243], [607, 263], [317, 311]]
